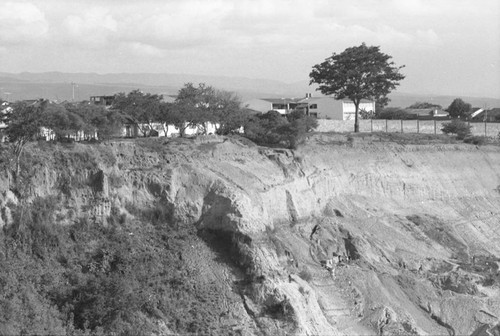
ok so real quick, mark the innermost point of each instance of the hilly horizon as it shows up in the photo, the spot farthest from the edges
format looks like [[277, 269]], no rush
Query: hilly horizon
[[58, 86]]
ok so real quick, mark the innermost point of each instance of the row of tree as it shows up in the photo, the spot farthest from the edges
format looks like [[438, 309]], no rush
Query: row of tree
[[194, 106]]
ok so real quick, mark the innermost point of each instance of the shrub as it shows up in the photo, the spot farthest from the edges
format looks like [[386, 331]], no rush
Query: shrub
[[305, 275], [476, 140], [458, 127], [272, 128]]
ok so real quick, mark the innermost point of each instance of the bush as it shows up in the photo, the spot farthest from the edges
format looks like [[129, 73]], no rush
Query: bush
[[458, 127], [305, 275], [272, 128], [392, 113], [476, 140], [90, 279]]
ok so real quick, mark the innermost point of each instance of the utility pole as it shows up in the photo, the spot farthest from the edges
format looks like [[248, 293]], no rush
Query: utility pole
[[485, 119]]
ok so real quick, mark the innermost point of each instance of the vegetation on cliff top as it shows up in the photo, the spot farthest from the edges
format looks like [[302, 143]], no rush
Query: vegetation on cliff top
[[194, 107]]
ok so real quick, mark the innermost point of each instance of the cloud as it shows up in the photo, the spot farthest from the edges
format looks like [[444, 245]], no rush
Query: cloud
[[93, 28], [248, 24], [346, 11], [176, 24], [21, 22], [142, 49], [428, 37], [254, 38], [417, 7], [162, 25]]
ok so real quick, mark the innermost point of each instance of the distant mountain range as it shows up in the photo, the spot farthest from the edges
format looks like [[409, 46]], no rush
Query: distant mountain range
[[58, 86]]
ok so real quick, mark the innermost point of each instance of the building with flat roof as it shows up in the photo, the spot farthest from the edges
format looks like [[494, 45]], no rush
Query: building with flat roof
[[320, 107], [102, 100]]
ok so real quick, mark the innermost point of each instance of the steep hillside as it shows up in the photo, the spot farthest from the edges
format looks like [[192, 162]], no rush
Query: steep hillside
[[248, 238]]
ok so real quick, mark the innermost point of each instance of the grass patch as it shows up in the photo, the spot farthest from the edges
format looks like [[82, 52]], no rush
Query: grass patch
[[476, 140]]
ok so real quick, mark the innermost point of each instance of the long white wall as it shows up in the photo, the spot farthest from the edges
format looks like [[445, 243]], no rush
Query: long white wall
[[402, 126]]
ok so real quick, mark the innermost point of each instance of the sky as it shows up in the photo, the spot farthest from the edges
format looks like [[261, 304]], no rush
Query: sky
[[447, 46]]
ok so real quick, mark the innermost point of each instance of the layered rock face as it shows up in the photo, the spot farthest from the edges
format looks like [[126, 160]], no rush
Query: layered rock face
[[341, 236]]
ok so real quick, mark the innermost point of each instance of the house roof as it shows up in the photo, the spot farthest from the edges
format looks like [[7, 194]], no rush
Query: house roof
[[303, 100], [474, 112], [426, 112], [361, 101], [313, 99], [420, 112], [251, 111], [491, 113], [281, 100]]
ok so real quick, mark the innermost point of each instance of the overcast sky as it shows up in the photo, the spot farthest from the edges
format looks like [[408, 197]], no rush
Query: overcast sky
[[448, 46]]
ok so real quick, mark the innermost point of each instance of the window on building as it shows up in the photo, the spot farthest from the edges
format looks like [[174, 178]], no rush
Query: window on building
[[314, 114], [313, 106]]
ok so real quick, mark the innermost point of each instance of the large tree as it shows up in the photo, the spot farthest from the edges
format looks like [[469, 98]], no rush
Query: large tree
[[458, 108], [140, 108], [62, 122], [191, 107], [227, 114], [97, 118], [196, 106], [24, 125], [357, 73]]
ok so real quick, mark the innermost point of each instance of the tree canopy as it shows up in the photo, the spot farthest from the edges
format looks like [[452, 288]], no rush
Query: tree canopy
[[424, 105], [97, 118], [274, 129], [141, 108], [357, 73], [195, 106], [458, 108]]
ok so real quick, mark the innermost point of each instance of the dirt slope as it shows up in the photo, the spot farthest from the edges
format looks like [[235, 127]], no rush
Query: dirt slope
[[419, 223]]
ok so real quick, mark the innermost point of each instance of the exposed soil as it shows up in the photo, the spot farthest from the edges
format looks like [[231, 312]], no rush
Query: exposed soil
[[345, 235]]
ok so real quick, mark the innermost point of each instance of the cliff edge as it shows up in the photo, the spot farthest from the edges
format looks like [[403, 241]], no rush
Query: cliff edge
[[341, 236]]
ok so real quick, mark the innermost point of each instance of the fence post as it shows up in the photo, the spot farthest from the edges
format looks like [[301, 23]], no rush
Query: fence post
[[435, 127], [485, 128], [371, 125], [402, 126], [418, 125], [385, 125]]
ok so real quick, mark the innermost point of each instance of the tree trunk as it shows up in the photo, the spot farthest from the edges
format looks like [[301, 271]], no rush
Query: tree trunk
[[165, 129], [356, 122], [182, 129], [18, 150]]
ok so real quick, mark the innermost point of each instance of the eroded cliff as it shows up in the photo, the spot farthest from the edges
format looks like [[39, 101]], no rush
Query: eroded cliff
[[414, 226]]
